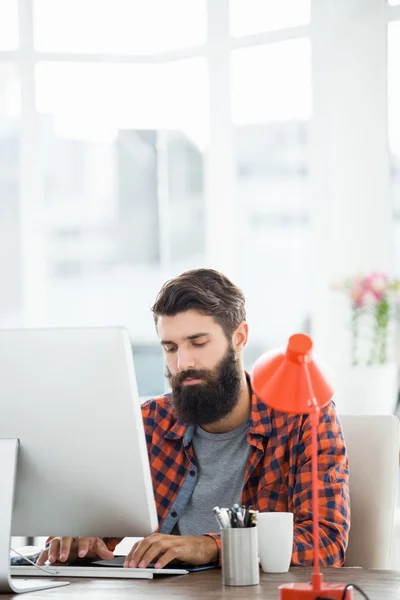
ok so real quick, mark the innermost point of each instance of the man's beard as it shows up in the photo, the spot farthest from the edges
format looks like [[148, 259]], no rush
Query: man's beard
[[209, 401]]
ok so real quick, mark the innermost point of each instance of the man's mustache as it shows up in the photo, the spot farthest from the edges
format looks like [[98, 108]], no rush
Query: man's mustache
[[189, 374]]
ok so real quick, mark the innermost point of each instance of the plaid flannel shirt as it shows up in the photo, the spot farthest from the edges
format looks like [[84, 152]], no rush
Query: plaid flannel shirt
[[277, 477]]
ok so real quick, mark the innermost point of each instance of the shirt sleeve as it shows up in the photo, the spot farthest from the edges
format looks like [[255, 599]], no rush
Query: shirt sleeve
[[333, 493], [112, 542], [217, 538]]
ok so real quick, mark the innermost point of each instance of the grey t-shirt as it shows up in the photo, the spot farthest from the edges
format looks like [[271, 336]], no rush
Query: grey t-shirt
[[221, 460]]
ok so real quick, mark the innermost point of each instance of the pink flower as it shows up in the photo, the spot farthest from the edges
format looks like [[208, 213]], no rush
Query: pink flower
[[366, 291], [369, 298], [377, 284], [357, 293]]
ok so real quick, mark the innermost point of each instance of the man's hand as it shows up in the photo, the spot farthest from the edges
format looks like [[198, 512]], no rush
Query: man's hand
[[161, 549], [68, 548]]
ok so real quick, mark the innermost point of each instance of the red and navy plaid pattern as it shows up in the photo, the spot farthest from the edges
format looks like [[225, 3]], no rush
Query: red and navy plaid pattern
[[278, 473]]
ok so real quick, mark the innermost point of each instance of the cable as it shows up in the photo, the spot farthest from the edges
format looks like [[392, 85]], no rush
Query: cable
[[356, 587], [348, 586], [31, 562]]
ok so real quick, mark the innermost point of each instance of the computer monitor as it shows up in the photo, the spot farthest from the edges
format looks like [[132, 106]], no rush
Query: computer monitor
[[81, 468]]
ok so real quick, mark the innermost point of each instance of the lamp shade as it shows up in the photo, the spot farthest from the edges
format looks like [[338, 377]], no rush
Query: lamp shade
[[284, 379]]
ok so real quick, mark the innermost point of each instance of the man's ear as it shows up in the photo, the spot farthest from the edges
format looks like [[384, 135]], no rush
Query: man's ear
[[240, 337]]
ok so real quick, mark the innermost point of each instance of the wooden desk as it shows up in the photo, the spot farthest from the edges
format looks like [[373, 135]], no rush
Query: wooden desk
[[377, 584]]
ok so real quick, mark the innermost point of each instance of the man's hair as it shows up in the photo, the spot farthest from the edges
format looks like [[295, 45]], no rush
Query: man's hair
[[207, 291]]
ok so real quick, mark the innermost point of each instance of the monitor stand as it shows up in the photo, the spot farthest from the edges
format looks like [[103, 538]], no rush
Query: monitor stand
[[8, 468]]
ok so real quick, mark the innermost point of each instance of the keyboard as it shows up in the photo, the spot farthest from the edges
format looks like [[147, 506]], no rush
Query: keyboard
[[94, 572], [100, 568]]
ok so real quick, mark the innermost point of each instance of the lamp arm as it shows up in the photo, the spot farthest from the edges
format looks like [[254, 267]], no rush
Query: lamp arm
[[314, 419]]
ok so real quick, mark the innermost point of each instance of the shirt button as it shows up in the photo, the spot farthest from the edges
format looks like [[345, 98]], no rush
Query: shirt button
[[174, 514], [192, 472]]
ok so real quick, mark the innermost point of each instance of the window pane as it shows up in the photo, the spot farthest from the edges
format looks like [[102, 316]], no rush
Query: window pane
[[149, 370], [122, 169], [8, 24], [10, 259], [284, 89], [394, 125], [248, 17], [118, 26], [271, 115]]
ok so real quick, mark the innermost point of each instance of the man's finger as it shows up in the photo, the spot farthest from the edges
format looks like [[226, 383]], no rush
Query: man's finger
[[42, 558], [154, 551], [83, 546], [54, 550], [130, 554], [65, 548], [140, 551], [102, 551], [170, 554]]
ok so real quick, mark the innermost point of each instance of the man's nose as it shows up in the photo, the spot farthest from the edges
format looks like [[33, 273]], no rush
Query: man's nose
[[185, 360]]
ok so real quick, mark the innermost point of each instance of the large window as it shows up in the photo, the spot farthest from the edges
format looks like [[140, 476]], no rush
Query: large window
[[118, 26], [123, 161], [157, 136], [122, 164], [120, 145], [271, 116]]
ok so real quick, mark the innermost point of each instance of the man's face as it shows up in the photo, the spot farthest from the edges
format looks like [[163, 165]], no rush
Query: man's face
[[201, 367]]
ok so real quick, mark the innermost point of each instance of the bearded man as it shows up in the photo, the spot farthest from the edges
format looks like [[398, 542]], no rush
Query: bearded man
[[212, 442]]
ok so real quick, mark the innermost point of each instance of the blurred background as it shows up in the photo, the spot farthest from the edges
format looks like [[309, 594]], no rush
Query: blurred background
[[140, 139]]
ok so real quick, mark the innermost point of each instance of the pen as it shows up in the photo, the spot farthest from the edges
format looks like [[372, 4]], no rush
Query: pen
[[218, 516], [247, 517], [240, 518], [225, 518], [238, 515], [234, 520]]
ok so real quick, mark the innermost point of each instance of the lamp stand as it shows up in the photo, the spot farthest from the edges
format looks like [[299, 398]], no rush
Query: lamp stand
[[317, 588]]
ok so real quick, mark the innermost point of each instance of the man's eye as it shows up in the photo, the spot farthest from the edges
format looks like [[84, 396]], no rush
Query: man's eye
[[170, 349], [199, 345]]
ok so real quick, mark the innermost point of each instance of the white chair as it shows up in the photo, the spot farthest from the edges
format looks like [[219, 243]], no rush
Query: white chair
[[373, 444]]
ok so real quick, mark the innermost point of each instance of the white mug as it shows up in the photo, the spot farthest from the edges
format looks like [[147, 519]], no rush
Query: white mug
[[275, 541]]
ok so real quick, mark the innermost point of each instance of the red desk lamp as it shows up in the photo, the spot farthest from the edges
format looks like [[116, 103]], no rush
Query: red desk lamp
[[291, 382]]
